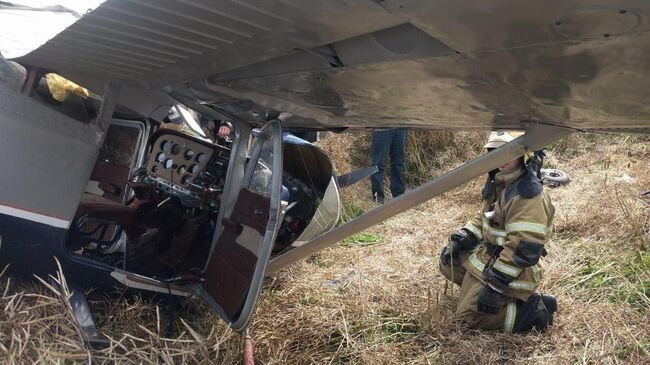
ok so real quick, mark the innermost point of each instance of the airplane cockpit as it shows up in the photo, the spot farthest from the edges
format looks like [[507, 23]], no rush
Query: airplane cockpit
[[166, 224], [157, 217], [162, 205]]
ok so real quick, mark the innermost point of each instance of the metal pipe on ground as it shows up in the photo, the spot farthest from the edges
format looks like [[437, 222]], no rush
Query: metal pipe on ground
[[247, 354]]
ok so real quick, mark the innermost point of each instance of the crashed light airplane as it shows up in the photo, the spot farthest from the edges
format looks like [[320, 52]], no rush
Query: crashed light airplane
[[99, 183]]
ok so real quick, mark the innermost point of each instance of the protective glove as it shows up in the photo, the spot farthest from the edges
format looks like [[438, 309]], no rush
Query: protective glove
[[459, 241], [450, 253], [466, 239], [489, 300], [498, 281]]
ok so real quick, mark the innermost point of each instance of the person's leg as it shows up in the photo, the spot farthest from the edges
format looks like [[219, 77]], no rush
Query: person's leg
[[380, 145], [467, 310], [397, 162]]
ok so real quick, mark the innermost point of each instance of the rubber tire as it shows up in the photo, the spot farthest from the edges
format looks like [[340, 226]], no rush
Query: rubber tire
[[555, 177]]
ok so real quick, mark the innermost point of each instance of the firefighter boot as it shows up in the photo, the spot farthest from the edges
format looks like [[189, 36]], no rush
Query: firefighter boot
[[534, 313], [551, 306]]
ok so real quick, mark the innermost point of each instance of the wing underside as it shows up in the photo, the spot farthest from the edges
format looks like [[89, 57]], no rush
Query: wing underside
[[346, 63]]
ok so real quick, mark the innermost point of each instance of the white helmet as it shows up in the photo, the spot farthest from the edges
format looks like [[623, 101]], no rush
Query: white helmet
[[499, 138]]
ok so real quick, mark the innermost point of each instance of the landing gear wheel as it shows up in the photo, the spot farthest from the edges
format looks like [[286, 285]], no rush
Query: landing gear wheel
[[554, 177]]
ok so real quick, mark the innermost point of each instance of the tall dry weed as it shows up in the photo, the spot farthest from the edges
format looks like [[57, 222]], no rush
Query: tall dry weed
[[428, 154]]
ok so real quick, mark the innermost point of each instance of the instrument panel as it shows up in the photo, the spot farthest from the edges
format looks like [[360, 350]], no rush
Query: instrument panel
[[188, 168], [178, 159]]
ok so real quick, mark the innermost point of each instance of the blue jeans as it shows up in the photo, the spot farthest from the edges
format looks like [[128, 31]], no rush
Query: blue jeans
[[387, 141]]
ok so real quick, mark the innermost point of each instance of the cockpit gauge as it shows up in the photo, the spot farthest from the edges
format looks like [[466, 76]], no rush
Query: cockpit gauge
[[182, 165], [165, 146]]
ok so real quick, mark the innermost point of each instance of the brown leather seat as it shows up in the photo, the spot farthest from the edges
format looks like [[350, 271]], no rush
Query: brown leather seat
[[112, 179], [100, 208]]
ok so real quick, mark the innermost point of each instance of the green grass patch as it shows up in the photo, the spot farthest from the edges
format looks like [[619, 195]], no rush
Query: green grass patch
[[622, 277], [308, 300], [319, 260], [349, 211], [390, 330], [362, 239], [394, 331]]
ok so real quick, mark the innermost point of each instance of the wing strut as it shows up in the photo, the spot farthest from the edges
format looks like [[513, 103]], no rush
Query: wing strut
[[109, 102], [536, 137]]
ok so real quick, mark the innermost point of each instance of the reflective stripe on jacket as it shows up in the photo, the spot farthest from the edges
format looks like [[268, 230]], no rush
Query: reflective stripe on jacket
[[520, 226]]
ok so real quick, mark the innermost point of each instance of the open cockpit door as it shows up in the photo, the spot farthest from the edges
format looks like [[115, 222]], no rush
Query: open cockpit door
[[237, 262]]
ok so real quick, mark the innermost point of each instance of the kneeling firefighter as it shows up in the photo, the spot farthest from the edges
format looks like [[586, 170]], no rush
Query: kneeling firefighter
[[495, 257]]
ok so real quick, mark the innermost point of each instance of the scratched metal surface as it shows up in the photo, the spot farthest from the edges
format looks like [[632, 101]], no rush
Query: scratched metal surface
[[161, 42], [569, 62], [594, 85]]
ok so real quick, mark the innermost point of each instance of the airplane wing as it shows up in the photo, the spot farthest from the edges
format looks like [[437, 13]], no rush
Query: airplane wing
[[372, 63]]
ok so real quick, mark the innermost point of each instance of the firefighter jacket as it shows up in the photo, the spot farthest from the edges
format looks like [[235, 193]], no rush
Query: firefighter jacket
[[512, 226]]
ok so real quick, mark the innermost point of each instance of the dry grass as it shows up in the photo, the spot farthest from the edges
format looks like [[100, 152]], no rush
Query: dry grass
[[37, 325], [379, 299], [428, 154]]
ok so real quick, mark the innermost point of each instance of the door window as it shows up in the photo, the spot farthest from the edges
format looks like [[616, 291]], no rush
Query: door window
[[235, 270]]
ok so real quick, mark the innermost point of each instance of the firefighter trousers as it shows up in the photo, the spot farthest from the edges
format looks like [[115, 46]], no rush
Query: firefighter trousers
[[514, 316]]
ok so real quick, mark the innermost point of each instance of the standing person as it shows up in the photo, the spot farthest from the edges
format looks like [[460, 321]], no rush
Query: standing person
[[495, 257], [388, 141]]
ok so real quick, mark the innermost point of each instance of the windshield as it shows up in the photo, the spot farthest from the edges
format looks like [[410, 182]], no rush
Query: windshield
[[27, 24], [261, 181], [181, 118]]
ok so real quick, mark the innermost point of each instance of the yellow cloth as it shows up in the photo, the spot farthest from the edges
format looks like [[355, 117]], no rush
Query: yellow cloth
[[61, 87]]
